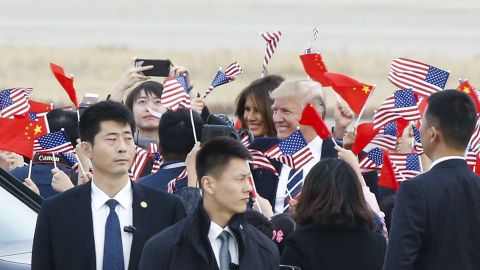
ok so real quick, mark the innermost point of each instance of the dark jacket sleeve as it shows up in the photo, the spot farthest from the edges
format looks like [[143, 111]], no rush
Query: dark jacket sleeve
[[409, 221], [42, 257], [154, 257], [292, 254]]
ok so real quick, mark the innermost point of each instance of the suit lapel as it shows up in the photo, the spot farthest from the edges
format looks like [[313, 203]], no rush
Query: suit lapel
[[82, 207], [141, 215]]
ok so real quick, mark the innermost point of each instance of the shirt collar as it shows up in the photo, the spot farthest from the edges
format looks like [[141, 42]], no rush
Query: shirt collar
[[444, 159], [124, 197], [216, 230]]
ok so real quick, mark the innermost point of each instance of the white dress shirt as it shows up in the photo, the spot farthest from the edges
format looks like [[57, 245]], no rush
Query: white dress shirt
[[215, 242], [443, 159], [100, 213], [316, 147]]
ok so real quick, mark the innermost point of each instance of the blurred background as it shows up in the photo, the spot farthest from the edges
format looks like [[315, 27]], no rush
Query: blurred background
[[95, 40]]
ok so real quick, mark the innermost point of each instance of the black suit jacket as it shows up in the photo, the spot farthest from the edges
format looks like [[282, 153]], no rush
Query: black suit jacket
[[64, 232], [186, 246], [266, 182], [436, 220]]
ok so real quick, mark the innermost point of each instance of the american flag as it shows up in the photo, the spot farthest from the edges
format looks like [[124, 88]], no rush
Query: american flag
[[245, 140], [183, 81], [373, 160], [402, 104], [408, 165], [219, 79], [473, 149], [471, 156], [55, 142], [174, 95], [70, 158], [139, 161], [292, 151], [260, 160], [172, 184], [387, 136], [422, 78], [156, 157], [417, 144], [272, 40], [233, 70], [14, 101]]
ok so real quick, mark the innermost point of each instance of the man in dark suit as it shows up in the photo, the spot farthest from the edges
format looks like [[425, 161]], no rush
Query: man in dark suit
[[436, 219], [289, 99], [176, 141], [216, 235], [103, 224]]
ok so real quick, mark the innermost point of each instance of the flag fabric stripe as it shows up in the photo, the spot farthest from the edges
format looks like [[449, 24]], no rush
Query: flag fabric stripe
[[14, 101], [272, 40], [174, 95], [138, 164], [233, 70], [424, 79], [402, 104], [260, 160], [55, 142], [172, 184], [293, 151]]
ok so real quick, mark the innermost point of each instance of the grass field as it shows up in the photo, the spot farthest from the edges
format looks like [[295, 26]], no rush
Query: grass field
[[97, 69]]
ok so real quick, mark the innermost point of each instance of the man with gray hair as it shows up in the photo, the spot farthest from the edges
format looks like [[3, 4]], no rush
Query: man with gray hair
[[289, 99]]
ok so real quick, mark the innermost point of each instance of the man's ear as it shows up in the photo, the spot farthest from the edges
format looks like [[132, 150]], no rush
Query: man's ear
[[434, 134], [208, 184], [87, 148]]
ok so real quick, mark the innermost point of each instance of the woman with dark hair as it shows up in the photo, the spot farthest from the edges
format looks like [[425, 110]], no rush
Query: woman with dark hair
[[254, 106], [336, 227]]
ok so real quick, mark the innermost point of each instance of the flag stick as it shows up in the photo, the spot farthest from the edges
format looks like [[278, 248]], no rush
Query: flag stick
[[54, 161], [364, 105], [290, 179], [80, 164], [420, 163], [30, 169], [334, 142], [78, 115], [193, 125]]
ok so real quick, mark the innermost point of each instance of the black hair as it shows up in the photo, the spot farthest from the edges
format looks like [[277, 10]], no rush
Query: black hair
[[103, 111], [149, 87], [283, 226], [58, 119], [215, 155], [259, 90], [453, 113], [332, 196], [175, 131]]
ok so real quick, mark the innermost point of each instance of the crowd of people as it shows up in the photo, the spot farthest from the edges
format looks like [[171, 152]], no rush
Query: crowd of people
[[145, 194]]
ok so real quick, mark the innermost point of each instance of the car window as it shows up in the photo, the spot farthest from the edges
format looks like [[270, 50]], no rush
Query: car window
[[17, 221]]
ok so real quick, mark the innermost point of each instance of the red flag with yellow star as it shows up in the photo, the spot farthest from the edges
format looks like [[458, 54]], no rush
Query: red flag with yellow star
[[39, 107], [467, 88], [355, 93], [66, 82], [315, 67], [310, 117], [17, 136], [365, 134]]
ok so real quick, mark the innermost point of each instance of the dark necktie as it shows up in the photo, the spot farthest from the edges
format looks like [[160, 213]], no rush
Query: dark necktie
[[113, 251], [225, 258]]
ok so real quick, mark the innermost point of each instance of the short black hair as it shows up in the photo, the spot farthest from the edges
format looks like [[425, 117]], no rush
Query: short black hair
[[453, 113], [150, 87], [175, 131], [68, 120], [100, 112], [215, 155]]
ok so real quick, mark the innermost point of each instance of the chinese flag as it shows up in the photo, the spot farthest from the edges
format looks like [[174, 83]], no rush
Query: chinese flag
[[365, 133], [387, 177], [467, 88], [355, 93], [39, 107], [315, 67], [66, 82], [17, 136], [310, 117]]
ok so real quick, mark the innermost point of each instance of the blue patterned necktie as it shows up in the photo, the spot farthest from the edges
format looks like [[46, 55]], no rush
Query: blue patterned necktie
[[293, 187], [225, 258], [113, 251]]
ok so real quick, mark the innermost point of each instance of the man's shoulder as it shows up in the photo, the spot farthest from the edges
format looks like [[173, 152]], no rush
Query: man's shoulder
[[263, 143], [253, 234], [170, 236], [156, 194]]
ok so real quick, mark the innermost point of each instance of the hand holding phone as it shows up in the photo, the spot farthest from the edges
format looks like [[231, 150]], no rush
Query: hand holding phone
[[161, 68]]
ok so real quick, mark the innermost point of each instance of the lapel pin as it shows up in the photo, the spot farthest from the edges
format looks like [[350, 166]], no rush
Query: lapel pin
[[143, 204]]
